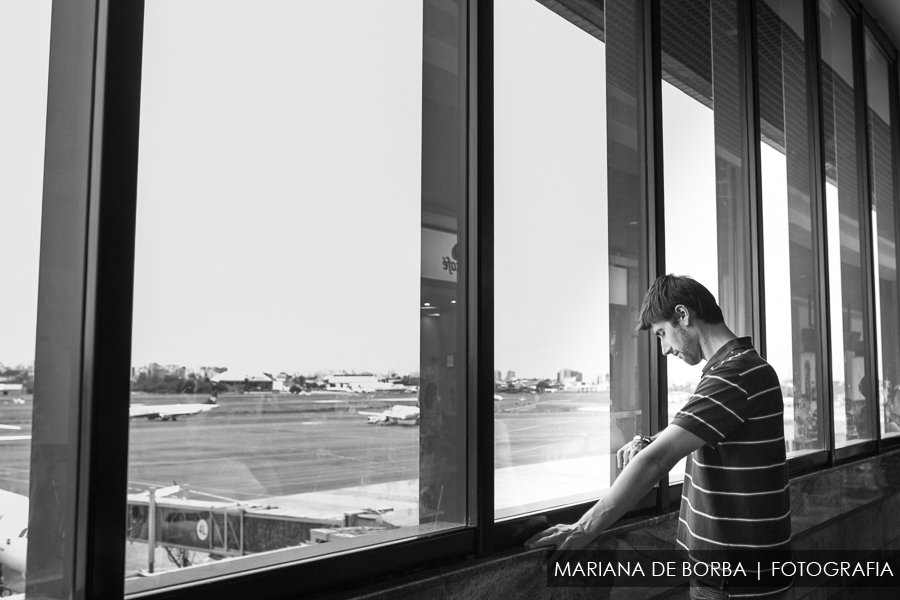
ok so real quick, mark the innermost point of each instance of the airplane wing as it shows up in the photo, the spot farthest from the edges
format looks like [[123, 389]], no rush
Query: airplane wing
[[13, 438], [166, 412]]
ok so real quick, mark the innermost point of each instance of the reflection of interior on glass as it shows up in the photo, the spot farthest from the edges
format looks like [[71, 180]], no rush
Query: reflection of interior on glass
[[296, 382], [792, 316], [24, 50], [853, 422], [884, 248]]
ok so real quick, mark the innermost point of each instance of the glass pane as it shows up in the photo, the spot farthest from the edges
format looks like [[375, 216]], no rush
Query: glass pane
[[299, 373], [552, 397], [24, 55], [791, 298], [884, 226], [706, 215], [849, 355]]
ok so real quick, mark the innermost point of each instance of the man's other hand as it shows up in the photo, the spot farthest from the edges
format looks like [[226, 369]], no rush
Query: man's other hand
[[629, 451]]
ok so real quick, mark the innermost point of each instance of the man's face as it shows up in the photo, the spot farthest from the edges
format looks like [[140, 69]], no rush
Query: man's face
[[678, 340]]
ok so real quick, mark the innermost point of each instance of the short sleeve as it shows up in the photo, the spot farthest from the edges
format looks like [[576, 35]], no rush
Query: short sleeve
[[717, 407]]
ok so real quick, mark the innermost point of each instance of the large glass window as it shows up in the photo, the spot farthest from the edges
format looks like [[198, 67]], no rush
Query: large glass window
[[706, 211], [884, 229], [24, 50], [299, 373], [572, 382], [793, 321], [853, 421], [552, 390]]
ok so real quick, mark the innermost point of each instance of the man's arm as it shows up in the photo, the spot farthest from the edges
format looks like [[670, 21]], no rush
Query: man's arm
[[643, 472]]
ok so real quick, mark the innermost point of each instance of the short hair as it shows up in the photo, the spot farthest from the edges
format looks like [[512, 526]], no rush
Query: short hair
[[669, 291]]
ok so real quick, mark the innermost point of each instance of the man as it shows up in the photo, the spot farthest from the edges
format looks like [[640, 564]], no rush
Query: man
[[736, 500]]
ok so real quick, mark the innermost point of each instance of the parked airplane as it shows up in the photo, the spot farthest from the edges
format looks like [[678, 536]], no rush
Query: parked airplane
[[13, 438], [13, 534], [396, 415], [170, 412]]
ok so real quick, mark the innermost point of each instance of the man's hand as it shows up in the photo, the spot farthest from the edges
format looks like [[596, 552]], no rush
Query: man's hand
[[629, 451], [564, 537]]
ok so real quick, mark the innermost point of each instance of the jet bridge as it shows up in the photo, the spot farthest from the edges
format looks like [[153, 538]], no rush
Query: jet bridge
[[229, 529]]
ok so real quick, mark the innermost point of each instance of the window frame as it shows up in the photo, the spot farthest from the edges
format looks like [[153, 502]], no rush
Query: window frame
[[91, 170]]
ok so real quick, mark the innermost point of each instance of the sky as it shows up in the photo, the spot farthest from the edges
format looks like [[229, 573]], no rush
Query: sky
[[24, 53], [279, 186], [279, 215]]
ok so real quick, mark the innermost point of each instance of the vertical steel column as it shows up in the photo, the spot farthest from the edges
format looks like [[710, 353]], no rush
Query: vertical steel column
[[481, 273], [819, 219], [650, 128], [752, 176], [868, 260], [83, 353]]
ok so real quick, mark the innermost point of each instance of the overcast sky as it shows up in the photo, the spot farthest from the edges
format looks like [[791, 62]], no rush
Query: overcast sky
[[280, 188], [24, 52]]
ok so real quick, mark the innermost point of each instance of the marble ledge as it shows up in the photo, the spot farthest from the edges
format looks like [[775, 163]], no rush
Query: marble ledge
[[824, 495]]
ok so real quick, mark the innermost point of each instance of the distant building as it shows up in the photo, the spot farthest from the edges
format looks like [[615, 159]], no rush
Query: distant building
[[510, 375], [244, 380], [356, 382], [568, 375], [9, 387]]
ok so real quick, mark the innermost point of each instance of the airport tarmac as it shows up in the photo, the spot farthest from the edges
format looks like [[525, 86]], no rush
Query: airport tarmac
[[259, 445], [255, 446]]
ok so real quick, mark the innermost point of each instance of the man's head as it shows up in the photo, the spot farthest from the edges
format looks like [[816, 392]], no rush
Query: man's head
[[673, 309]]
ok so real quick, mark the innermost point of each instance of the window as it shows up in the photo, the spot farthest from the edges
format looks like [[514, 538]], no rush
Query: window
[[572, 383], [297, 358], [552, 390], [793, 320], [884, 231], [24, 48], [850, 356], [298, 285], [706, 209]]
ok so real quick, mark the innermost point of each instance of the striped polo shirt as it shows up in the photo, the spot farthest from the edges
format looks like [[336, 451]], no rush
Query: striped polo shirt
[[735, 505]]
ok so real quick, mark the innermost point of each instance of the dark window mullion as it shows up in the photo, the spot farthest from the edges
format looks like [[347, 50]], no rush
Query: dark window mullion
[[868, 263], [481, 27], [650, 122], [108, 308], [819, 214], [751, 160]]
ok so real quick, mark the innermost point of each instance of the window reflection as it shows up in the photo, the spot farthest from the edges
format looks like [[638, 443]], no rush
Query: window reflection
[[853, 417], [885, 237], [298, 384], [791, 297]]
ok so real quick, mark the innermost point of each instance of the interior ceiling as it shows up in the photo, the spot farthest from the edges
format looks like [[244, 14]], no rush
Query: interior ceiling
[[887, 14]]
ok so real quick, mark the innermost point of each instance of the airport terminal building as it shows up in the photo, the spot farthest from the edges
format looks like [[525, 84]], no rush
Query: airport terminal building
[[431, 192]]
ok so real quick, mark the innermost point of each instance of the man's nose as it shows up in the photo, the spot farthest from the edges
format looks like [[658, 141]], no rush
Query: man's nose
[[666, 349]]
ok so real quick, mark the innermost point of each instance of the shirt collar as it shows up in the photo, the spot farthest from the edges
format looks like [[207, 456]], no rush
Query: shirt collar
[[735, 344]]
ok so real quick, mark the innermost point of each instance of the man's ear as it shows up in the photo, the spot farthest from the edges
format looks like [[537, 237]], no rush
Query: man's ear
[[683, 314]]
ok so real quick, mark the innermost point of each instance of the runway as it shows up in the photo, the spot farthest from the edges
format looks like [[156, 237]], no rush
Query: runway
[[254, 446]]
